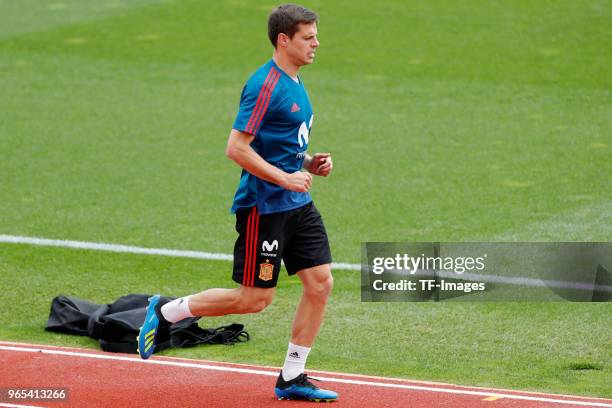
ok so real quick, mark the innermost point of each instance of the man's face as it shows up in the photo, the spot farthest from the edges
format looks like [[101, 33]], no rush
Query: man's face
[[301, 48]]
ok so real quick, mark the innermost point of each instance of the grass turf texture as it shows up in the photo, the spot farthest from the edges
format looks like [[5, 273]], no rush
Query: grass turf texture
[[447, 122]]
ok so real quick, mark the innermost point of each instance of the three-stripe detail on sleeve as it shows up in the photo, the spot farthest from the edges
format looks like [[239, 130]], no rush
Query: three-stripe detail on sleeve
[[252, 235], [263, 100]]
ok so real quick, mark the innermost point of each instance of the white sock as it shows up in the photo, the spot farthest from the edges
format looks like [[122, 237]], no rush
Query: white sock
[[295, 361], [176, 310]]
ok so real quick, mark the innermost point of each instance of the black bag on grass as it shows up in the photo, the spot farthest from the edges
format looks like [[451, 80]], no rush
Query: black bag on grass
[[116, 325]]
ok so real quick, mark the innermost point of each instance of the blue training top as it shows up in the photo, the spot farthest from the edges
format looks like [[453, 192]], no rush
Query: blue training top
[[276, 110]]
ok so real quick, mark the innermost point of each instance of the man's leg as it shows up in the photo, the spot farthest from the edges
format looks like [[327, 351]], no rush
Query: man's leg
[[211, 302], [256, 272], [292, 382], [220, 302], [318, 283]]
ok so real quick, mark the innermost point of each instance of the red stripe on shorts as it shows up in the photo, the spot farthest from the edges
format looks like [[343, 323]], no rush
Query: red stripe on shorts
[[248, 253], [255, 249]]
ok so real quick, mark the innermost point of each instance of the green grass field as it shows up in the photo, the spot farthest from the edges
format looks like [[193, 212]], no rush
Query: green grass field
[[469, 121]]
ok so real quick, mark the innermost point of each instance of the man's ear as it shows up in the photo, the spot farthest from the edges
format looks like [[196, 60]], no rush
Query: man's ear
[[282, 40]]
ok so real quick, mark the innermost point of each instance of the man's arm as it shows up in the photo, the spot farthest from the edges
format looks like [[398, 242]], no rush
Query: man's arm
[[320, 164], [240, 151]]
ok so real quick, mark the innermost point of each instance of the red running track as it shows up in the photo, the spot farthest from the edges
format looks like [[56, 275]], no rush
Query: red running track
[[98, 379]]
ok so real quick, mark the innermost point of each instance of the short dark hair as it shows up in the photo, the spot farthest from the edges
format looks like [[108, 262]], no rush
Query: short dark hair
[[286, 18]]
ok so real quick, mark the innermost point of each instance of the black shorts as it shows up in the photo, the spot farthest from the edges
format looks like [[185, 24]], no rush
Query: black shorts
[[298, 237]]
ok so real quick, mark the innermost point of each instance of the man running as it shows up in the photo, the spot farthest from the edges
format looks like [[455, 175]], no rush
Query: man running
[[275, 216]]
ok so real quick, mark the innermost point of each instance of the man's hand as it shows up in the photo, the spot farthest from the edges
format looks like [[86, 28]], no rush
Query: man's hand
[[299, 181], [320, 164]]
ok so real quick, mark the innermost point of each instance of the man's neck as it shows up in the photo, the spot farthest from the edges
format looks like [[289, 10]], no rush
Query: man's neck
[[283, 62]]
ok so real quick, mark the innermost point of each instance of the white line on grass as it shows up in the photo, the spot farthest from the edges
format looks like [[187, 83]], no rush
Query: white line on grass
[[177, 253], [327, 378], [129, 249]]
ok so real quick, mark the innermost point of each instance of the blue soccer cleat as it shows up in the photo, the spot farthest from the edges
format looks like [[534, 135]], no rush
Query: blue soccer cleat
[[148, 330], [300, 388]]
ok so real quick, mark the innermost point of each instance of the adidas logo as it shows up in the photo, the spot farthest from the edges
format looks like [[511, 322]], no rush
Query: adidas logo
[[295, 107], [149, 338], [294, 354]]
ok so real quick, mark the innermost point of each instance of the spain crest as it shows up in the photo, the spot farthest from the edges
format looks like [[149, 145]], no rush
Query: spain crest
[[265, 271]]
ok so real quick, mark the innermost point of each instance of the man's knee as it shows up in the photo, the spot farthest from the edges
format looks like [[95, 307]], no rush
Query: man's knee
[[254, 300], [319, 284], [324, 287], [256, 305]]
